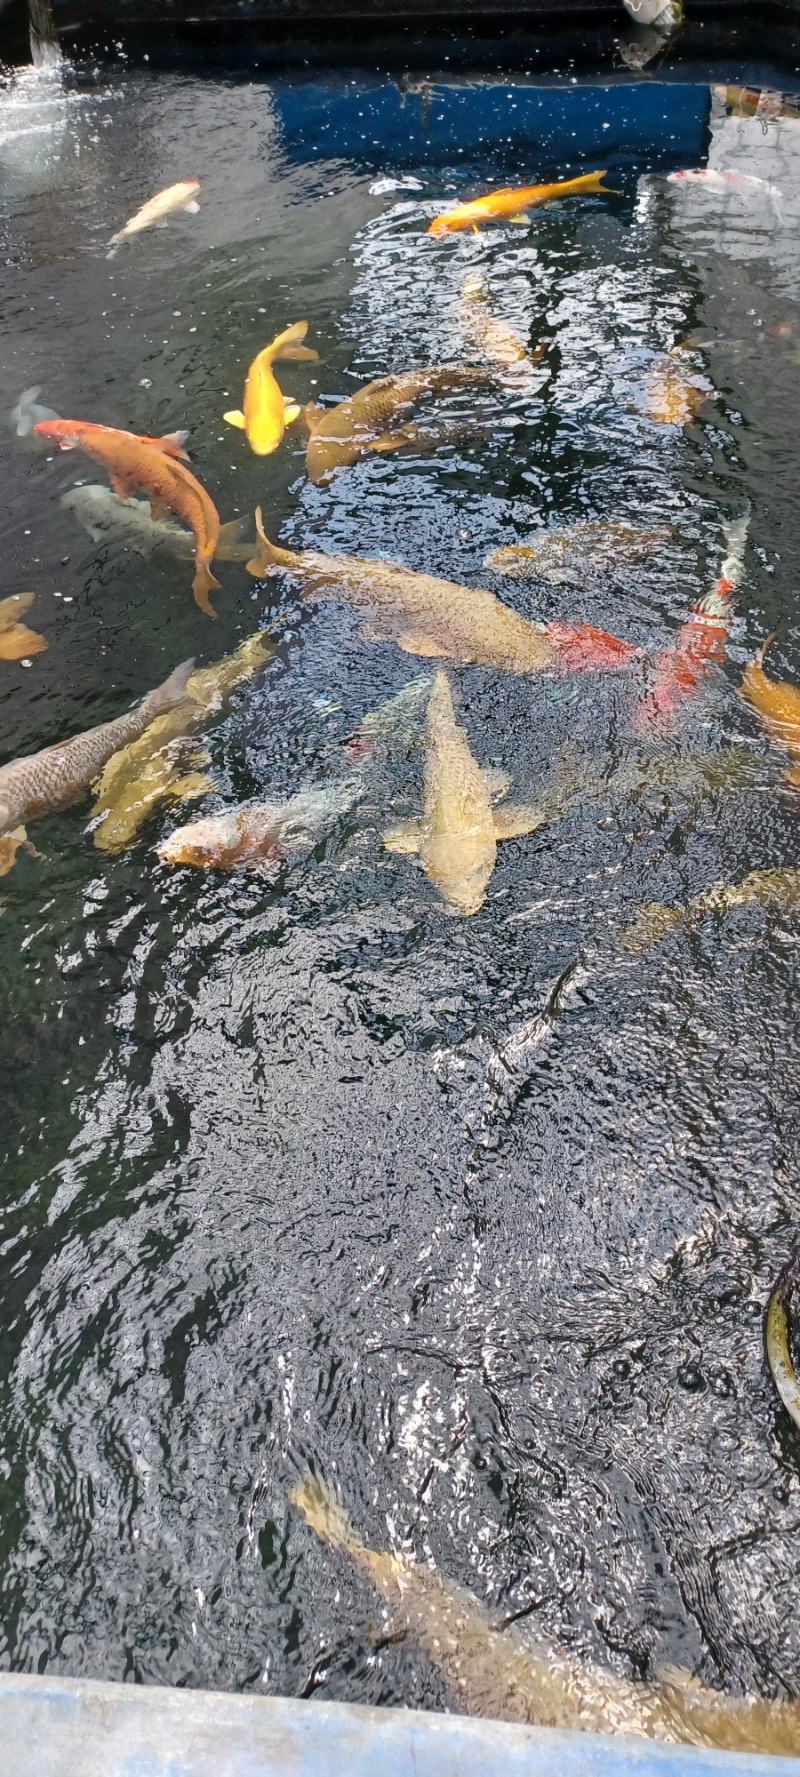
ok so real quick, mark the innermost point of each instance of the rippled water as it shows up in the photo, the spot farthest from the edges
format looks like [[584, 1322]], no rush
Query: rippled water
[[306, 1170]]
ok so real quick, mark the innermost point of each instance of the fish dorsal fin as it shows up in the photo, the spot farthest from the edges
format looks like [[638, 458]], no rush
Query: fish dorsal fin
[[512, 822], [234, 418], [413, 643], [497, 781], [405, 838]]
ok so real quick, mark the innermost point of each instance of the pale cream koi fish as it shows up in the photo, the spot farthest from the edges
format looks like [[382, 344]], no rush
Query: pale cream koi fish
[[176, 197], [490, 1672], [257, 835], [433, 618], [456, 839]]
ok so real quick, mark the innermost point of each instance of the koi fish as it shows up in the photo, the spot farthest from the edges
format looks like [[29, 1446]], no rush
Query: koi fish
[[440, 619], [673, 397], [578, 551], [370, 419], [78, 434], [28, 410], [778, 891], [456, 839], [700, 644], [490, 1672], [103, 515], [154, 213], [17, 641], [776, 705], [152, 767], [665, 14], [778, 1337], [512, 205], [267, 412], [133, 462], [722, 179], [490, 336], [258, 834], [42, 783]]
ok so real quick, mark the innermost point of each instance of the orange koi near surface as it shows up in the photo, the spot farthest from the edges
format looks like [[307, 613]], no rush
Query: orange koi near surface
[[777, 706], [700, 645], [510, 205], [132, 462]]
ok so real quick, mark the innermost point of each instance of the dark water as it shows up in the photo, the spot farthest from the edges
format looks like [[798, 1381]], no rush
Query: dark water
[[267, 1197]]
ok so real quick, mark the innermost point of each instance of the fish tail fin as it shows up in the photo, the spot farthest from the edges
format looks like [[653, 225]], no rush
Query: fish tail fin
[[172, 691], [171, 444], [202, 585], [289, 343], [323, 1514], [113, 245], [594, 182], [267, 555]]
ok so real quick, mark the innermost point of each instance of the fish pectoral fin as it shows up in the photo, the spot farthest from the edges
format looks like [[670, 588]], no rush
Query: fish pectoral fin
[[9, 846], [158, 510], [405, 838], [387, 441], [413, 643], [521, 220], [511, 822], [123, 488], [235, 418], [291, 411], [497, 781], [192, 208]]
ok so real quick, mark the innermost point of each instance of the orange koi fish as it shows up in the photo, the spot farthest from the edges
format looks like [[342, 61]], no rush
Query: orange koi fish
[[512, 205], [65, 433], [17, 641], [777, 707], [582, 649], [132, 462], [700, 644]]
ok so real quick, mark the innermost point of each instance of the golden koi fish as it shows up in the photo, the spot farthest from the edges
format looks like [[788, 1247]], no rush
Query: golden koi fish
[[266, 411], [42, 783], [489, 1672], [177, 197], [133, 462], [456, 839], [578, 551], [370, 420], [776, 705], [434, 618], [149, 769], [17, 641], [509, 205], [777, 891], [490, 337], [673, 397]]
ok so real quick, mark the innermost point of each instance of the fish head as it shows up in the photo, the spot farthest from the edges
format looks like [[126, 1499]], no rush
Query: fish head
[[213, 843], [58, 432], [265, 426]]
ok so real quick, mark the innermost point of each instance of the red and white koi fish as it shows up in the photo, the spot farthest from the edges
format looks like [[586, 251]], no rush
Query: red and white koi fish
[[700, 645], [727, 179]]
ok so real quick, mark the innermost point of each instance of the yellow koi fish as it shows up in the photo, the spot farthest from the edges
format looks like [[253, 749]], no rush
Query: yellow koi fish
[[489, 1671], [266, 411], [456, 839], [17, 641], [777, 706], [510, 205], [491, 337]]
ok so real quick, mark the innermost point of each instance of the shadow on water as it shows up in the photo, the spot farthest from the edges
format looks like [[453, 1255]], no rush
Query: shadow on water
[[479, 1216]]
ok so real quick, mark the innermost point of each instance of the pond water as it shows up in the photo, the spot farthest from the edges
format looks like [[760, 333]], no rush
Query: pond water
[[476, 1216]]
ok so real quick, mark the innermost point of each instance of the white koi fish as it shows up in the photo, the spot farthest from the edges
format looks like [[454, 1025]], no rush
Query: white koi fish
[[177, 197]]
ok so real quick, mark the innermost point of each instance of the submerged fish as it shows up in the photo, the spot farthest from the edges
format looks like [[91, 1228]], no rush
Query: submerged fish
[[456, 839], [133, 462], [397, 723], [673, 396], [778, 891], [490, 336], [776, 705], [41, 783], [28, 411], [371, 419], [152, 767], [489, 1672], [101, 512], [176, 197], [726, 179], [508, 204], [17, 641], [666, 14], [579, 551], [681, 668], [259, 833], [438, 618], [778, 1337], [267, 412]]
